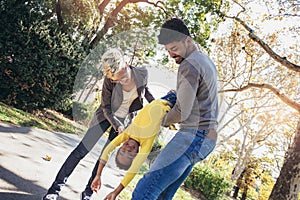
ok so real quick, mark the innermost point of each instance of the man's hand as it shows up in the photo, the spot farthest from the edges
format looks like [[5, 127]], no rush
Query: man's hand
[[96, 184], [111, 196]]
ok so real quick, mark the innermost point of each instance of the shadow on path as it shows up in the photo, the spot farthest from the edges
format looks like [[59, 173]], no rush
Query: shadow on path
[[17, 196], [22, 185], [14, 129], [27, 189]]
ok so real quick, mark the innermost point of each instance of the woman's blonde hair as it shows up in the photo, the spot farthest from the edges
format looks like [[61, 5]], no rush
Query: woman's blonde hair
[[111, 61]]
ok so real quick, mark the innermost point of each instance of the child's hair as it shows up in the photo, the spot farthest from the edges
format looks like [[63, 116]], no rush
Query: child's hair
[[173, 30], [112, 60], [120, 165]]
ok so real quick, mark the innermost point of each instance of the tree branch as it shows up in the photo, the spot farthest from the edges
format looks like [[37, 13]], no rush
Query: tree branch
[[109, 23], [267, 48], [102, 6], [156, 5], [58, 14], [283, 97], [113, 17]]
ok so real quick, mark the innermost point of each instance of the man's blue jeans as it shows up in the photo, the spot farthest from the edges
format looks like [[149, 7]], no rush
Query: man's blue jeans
[[174, 164]]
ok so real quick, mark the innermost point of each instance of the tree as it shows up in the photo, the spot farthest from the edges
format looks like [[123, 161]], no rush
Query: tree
[[287, 184], [37, 59], [249, 120], [42, 46], [119, 24], [59, 34], [248, 178]]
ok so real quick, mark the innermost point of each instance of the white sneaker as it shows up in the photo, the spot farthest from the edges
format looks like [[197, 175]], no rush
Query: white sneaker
[[85, 196], [51, 197]]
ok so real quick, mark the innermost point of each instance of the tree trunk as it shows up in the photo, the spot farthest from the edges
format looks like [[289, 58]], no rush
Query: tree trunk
[[244, 195], [90, 91], [85, 87], [109, 23], [287, 185], [58, 14], [236, 192]]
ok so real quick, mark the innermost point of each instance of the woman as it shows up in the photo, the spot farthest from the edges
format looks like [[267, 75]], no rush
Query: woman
[[122, 92]]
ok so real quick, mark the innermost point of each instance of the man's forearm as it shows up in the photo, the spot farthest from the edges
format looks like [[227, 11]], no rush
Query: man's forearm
[[172, 117]]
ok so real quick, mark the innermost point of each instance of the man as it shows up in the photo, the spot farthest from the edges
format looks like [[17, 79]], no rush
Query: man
[[196, 111]]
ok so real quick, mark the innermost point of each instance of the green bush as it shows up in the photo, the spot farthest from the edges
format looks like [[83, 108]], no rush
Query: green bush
[[209, 182], [38, 60], [80, 111]]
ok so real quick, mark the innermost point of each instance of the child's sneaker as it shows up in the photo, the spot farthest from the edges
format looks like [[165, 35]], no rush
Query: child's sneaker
[[51, 197], [85, 196]]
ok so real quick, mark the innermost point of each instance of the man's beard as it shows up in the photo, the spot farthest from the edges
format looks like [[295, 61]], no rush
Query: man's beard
[[178, 59]]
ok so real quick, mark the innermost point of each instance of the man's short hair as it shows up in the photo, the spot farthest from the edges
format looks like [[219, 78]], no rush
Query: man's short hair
[[172, 30]]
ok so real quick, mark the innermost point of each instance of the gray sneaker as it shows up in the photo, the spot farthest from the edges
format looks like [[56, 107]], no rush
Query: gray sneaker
[[51, 197]]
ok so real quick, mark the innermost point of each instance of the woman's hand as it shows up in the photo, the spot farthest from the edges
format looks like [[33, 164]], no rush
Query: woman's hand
[[96, 184], [120, 129], [111, 196]]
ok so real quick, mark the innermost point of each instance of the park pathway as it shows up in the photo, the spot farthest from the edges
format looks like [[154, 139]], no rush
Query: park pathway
[[26, 175]]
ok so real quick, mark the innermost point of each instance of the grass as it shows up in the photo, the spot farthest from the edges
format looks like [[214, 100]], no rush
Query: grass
[[46, 119]]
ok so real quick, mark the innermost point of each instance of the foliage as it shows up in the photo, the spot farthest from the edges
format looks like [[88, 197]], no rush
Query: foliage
[[248, 177], [156, 149], [201, 18], [38, 61], [267, 183], [43, 42], [79, 15], [256, 180], [210, 182], [78, 110], [254, 62]]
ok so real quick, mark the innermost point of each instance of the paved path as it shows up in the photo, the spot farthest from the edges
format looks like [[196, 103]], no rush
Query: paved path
[[24, 174]]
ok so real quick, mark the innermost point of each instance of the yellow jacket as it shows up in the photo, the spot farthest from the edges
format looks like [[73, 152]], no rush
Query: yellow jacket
[[144, 129]]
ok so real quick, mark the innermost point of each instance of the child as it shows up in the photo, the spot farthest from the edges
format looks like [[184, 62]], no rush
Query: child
[[142, 132]]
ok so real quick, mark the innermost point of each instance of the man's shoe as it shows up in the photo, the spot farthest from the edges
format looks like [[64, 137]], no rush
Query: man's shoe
[[85, 196], [51, 197]]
